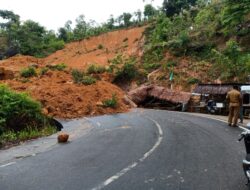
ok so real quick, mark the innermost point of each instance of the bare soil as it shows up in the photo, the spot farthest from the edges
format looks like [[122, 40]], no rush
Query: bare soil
[[59, 96]]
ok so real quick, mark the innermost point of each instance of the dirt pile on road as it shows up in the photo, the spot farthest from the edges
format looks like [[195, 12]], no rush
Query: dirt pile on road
[[62, 98]]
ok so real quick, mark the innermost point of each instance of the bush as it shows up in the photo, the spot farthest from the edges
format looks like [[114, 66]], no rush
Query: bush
[[88, 80], [100, 46], [179, 45], [111, 102], [127, 72], [80, 78], [18, 111], [231, 64], [58, 67], [95, 69], [77, 76], [56, 45], [44, 71], [28, 72]]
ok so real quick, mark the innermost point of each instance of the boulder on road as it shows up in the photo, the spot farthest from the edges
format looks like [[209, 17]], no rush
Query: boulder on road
[[62, 138]]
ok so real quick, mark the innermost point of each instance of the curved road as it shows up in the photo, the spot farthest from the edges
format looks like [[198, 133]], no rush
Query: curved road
[[140, 150]]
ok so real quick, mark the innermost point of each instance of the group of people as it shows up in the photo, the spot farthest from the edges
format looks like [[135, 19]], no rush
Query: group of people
[[234, 98]]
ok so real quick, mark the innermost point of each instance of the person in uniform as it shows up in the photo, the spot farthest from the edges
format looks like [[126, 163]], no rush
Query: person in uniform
[[235, 101]]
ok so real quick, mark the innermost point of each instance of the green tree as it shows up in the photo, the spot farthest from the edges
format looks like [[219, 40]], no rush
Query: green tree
[[62, 34], [126, 19], [8, 33], [110, 22], [235, 14], [232, 63], [80, 30], [149, 11], [138, 15], [10, 17], [65, 33], [31, 36], [172, 7]]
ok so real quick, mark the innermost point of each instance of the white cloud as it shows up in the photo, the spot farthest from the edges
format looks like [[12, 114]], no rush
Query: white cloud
[[54, 13]]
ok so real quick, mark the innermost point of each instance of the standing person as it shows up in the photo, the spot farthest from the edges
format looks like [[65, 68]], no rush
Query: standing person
[[235, 100], [241, 108]]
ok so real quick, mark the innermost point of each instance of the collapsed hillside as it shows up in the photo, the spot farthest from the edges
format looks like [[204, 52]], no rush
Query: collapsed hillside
[[62, 97], [56, 90]]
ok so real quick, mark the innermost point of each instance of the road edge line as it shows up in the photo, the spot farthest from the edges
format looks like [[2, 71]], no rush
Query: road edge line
[[208, 117]]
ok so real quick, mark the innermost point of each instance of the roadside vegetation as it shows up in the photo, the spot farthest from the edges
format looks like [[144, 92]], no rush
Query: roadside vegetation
[[214, 31], [21, 118]]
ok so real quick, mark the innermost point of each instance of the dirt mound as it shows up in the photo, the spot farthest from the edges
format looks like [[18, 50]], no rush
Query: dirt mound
[[56, 91], [18, 62], [62, 98]]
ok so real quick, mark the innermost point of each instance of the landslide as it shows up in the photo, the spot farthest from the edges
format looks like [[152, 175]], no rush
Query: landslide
[[62, 98], [59, 95]]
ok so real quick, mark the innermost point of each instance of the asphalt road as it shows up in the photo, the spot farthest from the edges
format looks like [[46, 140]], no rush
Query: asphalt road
[[140, 150]]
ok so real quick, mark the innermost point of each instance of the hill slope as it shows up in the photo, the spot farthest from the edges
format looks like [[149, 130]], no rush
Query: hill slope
[[57, 92]]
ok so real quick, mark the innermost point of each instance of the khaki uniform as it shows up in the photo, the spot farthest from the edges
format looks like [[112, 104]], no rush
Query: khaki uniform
[[234, 98]]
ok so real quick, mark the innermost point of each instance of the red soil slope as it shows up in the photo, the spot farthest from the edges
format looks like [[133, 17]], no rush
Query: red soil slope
[[56, 91]]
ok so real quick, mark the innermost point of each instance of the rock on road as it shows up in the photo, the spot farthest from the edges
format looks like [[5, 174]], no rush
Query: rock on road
[[140, 150]]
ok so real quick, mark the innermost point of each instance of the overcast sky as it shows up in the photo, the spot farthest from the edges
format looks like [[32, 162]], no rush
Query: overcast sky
[[53, 14]]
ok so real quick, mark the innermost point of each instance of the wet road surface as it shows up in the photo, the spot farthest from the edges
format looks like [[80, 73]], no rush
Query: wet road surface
[[143, 149]]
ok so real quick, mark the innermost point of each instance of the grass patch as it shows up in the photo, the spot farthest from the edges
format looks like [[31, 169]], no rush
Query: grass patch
[[11, 137], [79, 77], [95, 69], [112, 103], [43, 71], [28, 72], [88, 80], [58, 67]]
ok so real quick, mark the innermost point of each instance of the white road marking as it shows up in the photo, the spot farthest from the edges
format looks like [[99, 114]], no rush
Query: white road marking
[[242, 128], [11, 163], [131, 166]]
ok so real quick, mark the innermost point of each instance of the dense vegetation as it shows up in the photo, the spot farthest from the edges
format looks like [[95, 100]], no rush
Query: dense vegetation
[[214, 31], [27, 38], [21, 117]]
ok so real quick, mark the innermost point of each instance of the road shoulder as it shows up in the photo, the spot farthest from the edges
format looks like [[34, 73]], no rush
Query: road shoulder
[[75, 128]]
